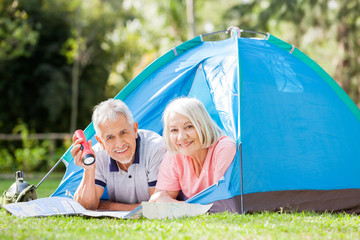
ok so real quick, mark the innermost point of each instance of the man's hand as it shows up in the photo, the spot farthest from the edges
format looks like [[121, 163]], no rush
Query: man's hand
[[76, 153]]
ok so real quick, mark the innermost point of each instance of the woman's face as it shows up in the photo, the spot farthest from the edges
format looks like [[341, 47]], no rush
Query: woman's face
[[183, 135]]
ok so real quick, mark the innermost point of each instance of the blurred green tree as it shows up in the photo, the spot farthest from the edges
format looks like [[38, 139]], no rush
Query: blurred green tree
[[35, 84], [69, 40], [59, 58], [17, 36], [324, 29]]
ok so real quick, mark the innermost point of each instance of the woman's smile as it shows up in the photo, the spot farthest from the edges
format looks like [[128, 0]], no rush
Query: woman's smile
[[186, 144]]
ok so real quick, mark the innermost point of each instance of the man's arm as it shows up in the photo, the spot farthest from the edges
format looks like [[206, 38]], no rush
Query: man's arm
[[151, 190], [87, 194], [114, 206]]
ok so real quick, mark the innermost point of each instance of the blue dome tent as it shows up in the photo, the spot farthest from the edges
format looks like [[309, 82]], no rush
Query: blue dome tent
[[298, 132]]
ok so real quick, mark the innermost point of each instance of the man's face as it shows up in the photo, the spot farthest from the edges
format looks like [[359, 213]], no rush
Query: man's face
[[119, 139]]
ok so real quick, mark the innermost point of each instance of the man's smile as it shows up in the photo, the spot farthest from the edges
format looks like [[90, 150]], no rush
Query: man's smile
[[122, 150]]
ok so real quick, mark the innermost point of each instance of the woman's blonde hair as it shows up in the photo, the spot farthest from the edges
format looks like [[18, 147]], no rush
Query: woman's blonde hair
[[207, 130]]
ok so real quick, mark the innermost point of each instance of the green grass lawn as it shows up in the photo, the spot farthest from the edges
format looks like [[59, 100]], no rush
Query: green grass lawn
[[305, 225]]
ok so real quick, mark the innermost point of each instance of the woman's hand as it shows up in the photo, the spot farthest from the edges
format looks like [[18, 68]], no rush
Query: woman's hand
[[161, 196]]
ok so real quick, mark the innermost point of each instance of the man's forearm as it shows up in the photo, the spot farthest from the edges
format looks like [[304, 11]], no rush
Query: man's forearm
[[114, 206], [86, 194]]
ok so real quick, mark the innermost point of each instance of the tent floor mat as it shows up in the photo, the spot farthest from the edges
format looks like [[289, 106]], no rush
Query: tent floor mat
[[343, 200]]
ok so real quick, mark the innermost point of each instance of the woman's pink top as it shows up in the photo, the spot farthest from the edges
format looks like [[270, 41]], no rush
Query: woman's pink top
[[177, 171]]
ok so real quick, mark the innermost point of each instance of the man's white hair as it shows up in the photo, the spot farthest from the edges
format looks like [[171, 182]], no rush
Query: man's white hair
[[110, 110]]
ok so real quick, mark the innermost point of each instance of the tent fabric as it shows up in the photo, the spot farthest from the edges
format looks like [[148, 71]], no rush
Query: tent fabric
[[297, 130]]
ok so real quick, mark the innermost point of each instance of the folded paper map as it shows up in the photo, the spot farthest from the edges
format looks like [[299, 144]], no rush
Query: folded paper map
[[66, 206]]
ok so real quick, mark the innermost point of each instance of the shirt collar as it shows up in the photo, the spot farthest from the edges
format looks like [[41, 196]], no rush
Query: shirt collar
[[113, 167]]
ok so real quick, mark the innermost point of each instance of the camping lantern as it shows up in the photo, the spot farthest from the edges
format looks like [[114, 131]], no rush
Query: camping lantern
[[20, 190]]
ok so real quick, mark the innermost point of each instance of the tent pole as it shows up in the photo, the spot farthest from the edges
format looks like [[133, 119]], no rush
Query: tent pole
[[51, 170], [235, 33], [241, 174]]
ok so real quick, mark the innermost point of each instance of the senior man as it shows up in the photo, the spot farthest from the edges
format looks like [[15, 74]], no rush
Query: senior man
[[127, 160]]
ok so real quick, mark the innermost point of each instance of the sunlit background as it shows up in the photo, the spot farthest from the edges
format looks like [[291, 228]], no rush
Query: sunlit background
[[59, 58]]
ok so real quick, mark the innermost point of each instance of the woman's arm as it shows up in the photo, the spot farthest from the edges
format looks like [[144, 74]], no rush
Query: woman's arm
[[164, 196]]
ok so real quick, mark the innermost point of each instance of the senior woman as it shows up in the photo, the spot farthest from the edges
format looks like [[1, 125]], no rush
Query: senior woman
[[198, 152]]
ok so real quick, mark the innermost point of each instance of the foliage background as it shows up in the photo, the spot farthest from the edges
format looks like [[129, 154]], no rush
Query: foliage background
[[59, 58]]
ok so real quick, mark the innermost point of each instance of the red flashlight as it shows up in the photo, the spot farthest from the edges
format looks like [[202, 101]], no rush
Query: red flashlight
[[87, 155]]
